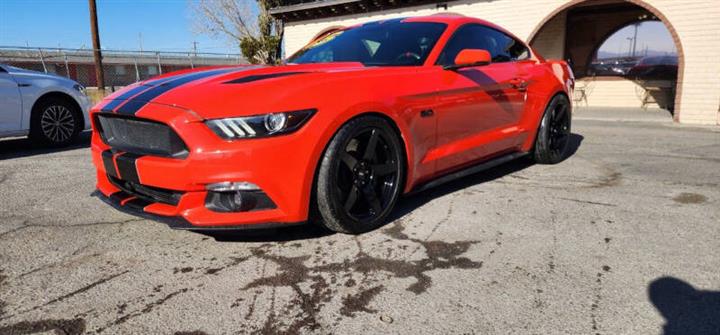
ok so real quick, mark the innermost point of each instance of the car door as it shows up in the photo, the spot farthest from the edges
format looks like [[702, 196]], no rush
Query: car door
[[10, 103], [478, 107]]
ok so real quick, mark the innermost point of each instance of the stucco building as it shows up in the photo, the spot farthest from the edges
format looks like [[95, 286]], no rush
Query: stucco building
[[564, 29]]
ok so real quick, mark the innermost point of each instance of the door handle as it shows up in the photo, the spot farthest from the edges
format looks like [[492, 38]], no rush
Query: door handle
[[427, 113], [24, 85], [519, 84]]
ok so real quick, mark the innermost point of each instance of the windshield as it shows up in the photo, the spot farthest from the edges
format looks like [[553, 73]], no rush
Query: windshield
[[388, 43]]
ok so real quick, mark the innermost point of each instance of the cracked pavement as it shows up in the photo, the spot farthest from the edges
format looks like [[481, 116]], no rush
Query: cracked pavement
[[621, 238]]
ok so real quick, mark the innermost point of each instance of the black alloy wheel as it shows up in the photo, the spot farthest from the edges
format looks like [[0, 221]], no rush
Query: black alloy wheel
[[559, 129], [360, 176], [552, 142]]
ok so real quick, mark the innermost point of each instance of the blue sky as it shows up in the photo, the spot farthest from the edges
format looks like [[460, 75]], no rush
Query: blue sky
[[165, 25], [652, 34]]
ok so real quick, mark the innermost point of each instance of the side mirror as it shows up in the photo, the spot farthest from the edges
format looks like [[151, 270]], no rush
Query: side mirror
[[470, 57]]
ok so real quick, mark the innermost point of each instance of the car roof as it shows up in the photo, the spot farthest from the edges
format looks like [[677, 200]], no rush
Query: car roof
[[453, 20]]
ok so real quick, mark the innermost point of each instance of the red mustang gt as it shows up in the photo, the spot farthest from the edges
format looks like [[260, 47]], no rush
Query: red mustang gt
[[358, 117]]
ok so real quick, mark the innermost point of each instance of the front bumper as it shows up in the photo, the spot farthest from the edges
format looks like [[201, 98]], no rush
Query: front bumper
[[119, 199], [281, 166]]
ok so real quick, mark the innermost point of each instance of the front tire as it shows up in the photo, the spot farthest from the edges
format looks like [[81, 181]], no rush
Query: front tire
[[55, 122], [553, 137], [360, 176]]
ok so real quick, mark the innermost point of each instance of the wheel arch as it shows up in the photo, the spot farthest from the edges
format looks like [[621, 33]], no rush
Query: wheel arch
[[530, 142], [62, 96], [406, 149], [406, 152]]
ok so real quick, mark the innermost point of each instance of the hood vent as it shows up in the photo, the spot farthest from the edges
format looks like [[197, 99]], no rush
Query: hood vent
[[252, 78]]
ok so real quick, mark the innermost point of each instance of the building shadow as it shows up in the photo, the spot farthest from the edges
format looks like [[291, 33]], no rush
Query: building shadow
[[686, 309], [403, 207], [488, 86], [24, 147], [660, 92]]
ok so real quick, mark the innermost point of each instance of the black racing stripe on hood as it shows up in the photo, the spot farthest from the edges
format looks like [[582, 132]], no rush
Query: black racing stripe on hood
[[110, 106], [257, 77], [133, 105]]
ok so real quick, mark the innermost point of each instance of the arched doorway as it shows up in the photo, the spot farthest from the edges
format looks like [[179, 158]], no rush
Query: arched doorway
[[592, 23]]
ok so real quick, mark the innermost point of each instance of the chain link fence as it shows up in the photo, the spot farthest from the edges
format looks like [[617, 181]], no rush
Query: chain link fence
[[121, 67]]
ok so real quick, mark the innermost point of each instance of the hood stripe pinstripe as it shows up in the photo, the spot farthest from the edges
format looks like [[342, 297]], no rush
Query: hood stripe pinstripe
[[133, 105], [112, 105]]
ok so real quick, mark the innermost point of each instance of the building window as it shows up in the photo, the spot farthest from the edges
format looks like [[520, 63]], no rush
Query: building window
[[120, 70]]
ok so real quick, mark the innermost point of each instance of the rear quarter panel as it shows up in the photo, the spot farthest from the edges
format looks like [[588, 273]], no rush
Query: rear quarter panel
[[547, 79]]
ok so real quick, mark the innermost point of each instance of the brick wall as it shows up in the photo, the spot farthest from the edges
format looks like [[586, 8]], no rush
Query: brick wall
[[695, 22], [620, 92]]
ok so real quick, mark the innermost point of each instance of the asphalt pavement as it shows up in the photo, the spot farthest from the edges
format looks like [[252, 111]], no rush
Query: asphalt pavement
[[623, 237]]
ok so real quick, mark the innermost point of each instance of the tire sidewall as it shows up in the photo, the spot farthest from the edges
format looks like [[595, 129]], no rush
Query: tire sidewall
[[329, 206], [541, 152], [36, 132]]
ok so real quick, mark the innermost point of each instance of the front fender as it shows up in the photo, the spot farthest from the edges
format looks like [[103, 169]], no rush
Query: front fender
[[40, 87]]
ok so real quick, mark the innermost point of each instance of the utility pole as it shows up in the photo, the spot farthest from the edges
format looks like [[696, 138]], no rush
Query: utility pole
[[630, 39], [99, 74], [140, 41], [634, 46], [195, 47]]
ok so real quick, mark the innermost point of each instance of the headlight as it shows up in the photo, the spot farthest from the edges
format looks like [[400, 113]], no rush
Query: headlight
[[80, 88], [260, 125]]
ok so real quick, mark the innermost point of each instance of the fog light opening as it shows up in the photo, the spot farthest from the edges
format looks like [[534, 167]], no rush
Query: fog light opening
[[238, 201]]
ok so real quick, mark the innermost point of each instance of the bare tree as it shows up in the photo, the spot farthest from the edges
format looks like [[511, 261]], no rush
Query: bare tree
[[247, 23]]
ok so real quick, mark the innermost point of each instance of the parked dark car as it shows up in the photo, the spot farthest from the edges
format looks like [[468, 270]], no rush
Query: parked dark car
[[656, 67], [612, 66]]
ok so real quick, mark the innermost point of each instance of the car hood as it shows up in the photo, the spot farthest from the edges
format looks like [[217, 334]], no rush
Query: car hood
[[35, 75], [229, 91]]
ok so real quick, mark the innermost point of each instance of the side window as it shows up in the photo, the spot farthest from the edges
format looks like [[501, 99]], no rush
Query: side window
[[502, 47]]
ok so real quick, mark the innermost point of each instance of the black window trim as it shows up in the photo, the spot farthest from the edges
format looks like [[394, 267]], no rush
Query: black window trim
[[529, 52], [400, 20]]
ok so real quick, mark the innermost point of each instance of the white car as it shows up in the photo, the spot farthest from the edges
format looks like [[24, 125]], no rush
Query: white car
[[50, 109]]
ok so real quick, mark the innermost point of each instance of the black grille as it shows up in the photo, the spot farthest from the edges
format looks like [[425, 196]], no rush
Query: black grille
[[140, 136], [153, 194]]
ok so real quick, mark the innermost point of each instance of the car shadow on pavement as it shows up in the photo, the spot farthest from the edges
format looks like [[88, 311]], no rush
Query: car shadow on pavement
[[24, 147], [686, 309], [306, 231], [410, 203], [404, 206]]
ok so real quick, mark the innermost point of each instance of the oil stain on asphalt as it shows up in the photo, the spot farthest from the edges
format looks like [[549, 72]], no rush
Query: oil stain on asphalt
[[2, 303], [315, 285], [690, 198], [67, 327]]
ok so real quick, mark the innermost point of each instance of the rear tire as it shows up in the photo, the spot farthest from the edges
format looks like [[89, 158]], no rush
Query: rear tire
[[360, 176], [551, 142], [55, 122]]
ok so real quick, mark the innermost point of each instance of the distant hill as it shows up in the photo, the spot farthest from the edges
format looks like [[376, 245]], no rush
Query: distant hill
[[604, 54]]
